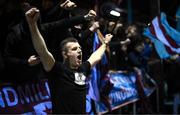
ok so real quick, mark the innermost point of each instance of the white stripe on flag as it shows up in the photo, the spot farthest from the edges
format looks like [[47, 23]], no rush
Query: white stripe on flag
[[161, 37]]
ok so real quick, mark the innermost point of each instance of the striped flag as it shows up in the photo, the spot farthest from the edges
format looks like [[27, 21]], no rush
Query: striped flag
[[165, 38], [94, 83]]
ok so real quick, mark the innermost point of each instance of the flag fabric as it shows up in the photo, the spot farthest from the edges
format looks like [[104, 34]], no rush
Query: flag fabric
[[125, 90], [32, 98], [95, 78], [97, 72], [165, 38], [99, 82]]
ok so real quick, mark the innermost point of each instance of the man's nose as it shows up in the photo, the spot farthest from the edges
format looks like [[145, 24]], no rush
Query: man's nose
[[79, 50]]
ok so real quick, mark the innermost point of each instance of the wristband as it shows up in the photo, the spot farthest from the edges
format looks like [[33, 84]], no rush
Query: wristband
[[106, 42]]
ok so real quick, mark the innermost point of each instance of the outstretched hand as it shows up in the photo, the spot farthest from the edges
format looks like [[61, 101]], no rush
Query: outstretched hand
[[91, 15], [68, 5], [94, 26], [33, 60], [108, 38], [32, 15]]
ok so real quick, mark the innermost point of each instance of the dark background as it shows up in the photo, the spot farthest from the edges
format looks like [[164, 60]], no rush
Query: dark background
[[142, 11]]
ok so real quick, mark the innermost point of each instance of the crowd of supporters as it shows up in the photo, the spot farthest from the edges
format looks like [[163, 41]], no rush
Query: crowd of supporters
[[129, 49]]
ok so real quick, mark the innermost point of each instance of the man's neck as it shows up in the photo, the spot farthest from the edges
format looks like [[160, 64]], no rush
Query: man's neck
[[69, 66], [74, 68]]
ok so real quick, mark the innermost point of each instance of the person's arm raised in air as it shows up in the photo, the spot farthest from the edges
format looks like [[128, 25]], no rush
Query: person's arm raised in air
[[46, 57], [97, 55]]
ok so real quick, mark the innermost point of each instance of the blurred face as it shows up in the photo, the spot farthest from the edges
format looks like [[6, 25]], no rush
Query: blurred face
[[111, 26], [139, 48], [131, 31], [73, 55]]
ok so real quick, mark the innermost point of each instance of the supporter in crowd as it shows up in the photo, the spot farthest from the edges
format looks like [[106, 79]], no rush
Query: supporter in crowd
[[68, 76], [135, 56], [20, 57], [53, 10], [85, 37], [61, 21]]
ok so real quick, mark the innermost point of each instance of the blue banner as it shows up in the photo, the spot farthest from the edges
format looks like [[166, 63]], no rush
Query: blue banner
[[123, 92], [27, 99], [34, 98]]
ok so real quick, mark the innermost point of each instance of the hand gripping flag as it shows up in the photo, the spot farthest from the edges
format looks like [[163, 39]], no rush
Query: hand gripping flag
[[99, 82], [165, 38]]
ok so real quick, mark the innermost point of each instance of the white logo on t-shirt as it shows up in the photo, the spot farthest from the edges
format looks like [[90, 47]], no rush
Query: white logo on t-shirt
[[80, 78]]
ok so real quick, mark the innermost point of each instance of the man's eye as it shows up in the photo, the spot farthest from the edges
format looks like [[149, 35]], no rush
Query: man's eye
[[74, 49]]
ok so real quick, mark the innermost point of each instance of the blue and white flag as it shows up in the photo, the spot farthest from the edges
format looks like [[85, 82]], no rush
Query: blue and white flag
[[165, 38]]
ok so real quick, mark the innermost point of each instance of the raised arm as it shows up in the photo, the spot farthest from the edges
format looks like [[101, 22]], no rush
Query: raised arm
[[46, 57], [97, 55], [68, 22]]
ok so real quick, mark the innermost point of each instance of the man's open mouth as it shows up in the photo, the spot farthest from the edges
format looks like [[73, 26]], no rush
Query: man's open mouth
[[79, 57]]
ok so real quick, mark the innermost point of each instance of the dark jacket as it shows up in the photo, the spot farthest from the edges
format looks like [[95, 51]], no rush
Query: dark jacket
[[19, 47]]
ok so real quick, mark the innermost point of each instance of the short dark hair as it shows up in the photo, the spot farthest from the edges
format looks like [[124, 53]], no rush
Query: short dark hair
[[65, 41]]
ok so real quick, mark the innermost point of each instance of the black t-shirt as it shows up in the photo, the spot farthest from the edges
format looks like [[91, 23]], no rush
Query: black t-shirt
[[68, 88]]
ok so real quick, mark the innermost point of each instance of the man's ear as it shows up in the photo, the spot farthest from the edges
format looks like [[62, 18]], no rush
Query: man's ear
[[64, 54]]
